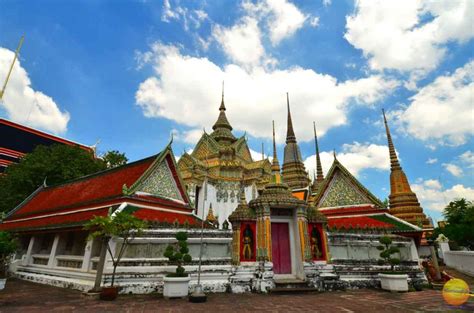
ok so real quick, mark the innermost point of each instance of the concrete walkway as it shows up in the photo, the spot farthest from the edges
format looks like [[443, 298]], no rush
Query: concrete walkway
[[22, 296]]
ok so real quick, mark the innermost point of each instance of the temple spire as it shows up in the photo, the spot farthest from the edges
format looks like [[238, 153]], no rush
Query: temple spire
[[275, 163], [263, 152], [393, 155], [319, 169], [222, 129], [222, 107], [290, 134]]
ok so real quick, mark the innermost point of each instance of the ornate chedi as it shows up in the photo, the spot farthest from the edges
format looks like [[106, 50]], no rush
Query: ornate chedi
[[403, 202], [294, 172], [224, 162]]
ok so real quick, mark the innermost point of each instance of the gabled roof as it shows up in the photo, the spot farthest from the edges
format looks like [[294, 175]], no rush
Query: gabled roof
[[338, 169], [381, 221], [78, 200]]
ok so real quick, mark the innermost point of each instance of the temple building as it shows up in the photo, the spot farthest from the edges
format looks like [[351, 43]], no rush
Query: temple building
[[17, 140], [403, 202], [217, 167]]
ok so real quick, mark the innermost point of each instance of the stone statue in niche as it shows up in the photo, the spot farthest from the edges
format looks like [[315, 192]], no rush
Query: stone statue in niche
[[316, 247], [247, 243]]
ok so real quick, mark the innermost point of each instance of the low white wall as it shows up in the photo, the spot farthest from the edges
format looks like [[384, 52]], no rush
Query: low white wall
[[462, 261]]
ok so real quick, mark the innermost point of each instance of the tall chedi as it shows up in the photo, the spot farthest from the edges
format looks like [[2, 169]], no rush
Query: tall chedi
[[403, 201], [294, 172], [222, 131]]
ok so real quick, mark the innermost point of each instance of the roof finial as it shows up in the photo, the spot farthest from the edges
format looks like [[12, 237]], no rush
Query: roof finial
[[334, 153], [391, 148], [275, 163], [44, 182], [222, 107], [290, 134], [319, 167]]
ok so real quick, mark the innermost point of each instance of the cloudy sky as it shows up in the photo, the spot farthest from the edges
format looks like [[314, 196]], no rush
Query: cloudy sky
[[130, 73]]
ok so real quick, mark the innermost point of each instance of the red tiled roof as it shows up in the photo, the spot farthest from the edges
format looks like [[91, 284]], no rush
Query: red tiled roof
[[363, 209], [90, 189], [360, 222]]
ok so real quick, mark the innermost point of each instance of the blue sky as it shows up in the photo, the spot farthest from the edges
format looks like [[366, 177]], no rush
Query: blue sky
[[129, 73]]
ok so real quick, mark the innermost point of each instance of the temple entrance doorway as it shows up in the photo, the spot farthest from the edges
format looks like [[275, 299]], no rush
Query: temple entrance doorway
[[281, 250]]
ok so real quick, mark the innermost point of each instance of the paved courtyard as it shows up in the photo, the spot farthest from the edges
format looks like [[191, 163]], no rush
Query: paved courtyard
[[21, 296]]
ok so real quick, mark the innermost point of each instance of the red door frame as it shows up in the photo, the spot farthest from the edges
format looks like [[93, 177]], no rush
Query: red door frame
[[281, 249]]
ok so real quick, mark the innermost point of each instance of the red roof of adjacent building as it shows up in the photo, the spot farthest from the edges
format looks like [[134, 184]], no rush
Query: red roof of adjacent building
[[77, 201]]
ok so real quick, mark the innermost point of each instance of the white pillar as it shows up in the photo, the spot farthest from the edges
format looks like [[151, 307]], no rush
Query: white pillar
[[413, 251], [27, 259], [52, 255], [87, 255]]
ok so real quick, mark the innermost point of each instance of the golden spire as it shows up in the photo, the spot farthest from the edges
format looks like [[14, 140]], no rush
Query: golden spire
[[403, 202], [222, 131], [210, 215], [17, 51], [394, 164], [319, 169]]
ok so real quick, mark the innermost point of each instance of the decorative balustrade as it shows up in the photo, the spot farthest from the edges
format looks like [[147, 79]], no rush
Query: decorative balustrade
[[40, 259], [69, 261]]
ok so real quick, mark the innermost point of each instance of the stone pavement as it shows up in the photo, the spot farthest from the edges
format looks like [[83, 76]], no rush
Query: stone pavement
[[22, 296]]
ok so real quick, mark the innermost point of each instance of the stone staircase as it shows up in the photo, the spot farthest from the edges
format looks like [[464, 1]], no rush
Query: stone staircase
[[285, 286]]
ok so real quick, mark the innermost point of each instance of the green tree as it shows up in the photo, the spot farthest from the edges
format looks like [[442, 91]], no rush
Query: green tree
[[8, 245], [114, 158], [387, 251], [459, 215], [123, 225], [56, 164]]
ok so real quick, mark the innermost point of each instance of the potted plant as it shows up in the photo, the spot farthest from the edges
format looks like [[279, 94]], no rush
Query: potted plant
[[176, 284], [392, 280], [124, 226], [8, 245]]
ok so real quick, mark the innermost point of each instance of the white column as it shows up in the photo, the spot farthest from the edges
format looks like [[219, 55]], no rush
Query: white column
[[27, 259], [414, 251], [52, 255], [87, 255]]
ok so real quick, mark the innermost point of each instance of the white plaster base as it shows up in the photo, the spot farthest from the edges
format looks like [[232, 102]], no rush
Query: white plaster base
[[176, 287], [3, 281], [394, 282]]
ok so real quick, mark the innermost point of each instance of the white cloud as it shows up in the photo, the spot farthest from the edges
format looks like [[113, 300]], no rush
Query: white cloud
[[314, 21], [442, 110], [453, 169], [432, 183], [327, 2], [433, 197], [467, 158], [186, 90], [418, 32], [355, 157], [241, 42], [431, 161], [257, 156], [284, 21], [180, 13], [191, 136], [25, 105]]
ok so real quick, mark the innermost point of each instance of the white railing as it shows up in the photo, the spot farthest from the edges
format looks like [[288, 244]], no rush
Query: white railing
[[462, 261]]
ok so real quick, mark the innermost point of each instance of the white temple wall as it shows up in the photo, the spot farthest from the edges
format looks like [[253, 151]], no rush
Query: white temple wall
[[222, 205]]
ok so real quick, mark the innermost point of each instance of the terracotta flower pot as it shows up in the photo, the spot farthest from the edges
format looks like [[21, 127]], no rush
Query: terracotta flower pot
[[109, 293]]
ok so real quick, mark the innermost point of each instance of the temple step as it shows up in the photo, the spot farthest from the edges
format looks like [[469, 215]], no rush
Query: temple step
[[291, 286]]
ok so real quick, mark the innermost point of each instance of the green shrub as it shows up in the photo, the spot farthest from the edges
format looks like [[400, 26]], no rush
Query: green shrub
[[387, 251], [178, 254]]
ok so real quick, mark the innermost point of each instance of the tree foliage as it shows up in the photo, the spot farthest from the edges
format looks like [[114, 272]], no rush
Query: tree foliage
[[123, 225], [387, 251], [459, 215], [114, 158], [178, 254], [8, 246], [55, 164]]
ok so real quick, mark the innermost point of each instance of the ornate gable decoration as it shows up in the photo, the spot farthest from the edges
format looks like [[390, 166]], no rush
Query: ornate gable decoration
[[242, 149], [205, 146], [342, 193], [161, 183], [340, 188]]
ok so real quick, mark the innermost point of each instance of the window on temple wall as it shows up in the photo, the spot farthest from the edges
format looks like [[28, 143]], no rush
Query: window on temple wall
[[247, 242], [196, 197], [318, 251]]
